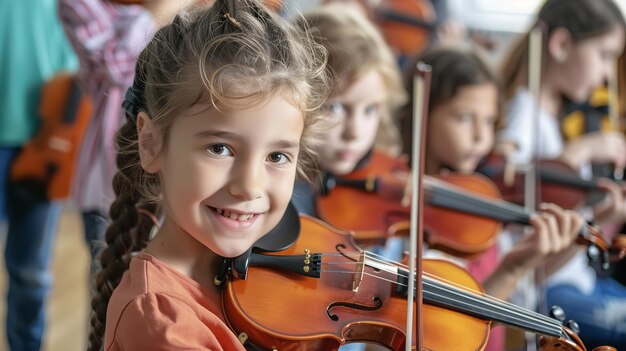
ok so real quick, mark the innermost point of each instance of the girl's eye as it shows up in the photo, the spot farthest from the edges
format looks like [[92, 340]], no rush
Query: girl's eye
[[465, 117], [371, 109], [607, 56], [278, 158], [219, 149], [335, 108]]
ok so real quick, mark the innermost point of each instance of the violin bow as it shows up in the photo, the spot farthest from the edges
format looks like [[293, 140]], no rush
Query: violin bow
[[535, 45], [531, 187], [421, 87], [613, 91]]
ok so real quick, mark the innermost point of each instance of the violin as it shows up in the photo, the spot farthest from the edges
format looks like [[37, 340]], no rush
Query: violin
[[324, 291], [406, 25], [373, 193], [560, 184], [48, 161], [462, 214]]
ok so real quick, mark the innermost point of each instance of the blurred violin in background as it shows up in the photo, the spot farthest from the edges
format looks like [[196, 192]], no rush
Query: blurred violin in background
[[406, 25], [462, 214], [559, 183], [47, 163]]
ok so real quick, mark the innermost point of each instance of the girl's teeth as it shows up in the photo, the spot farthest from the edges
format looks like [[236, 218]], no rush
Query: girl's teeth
[[233, 216]]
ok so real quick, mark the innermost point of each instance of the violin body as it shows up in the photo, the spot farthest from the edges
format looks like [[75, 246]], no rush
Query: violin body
[[49, 159], [296, 310], [458, 233], [445, 329], [371, 215], [407, 25], [375, 216]]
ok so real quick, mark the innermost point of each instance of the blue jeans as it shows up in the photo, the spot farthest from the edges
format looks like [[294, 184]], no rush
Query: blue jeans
[[32, 226], [601, 315], [95, 226]]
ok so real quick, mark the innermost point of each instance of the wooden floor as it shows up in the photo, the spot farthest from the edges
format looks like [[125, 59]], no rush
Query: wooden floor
[[67, 321]]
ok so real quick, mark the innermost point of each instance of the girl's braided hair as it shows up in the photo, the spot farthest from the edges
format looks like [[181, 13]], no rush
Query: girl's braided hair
[[233, 54]]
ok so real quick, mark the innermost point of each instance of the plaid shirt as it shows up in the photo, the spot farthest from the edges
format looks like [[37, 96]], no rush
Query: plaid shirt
[[107, 39]]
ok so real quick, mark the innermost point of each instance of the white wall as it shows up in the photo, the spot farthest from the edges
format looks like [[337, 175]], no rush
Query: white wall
[[499, 15], [293, 6]]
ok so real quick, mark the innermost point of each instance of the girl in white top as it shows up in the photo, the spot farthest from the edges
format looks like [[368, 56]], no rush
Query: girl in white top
[[583, 39]]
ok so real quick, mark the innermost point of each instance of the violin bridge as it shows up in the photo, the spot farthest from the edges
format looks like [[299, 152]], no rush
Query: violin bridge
[[358, 272]]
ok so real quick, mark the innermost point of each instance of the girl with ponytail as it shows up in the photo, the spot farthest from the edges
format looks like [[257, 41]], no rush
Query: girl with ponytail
[[222, 116]]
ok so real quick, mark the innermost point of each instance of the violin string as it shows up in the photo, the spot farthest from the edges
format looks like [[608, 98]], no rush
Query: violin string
[[497, 303], [519, 213], [520, 315], [502, 308], [458, 289], [473, 201]]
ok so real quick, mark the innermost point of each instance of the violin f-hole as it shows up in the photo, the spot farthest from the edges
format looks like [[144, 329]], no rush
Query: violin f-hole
[[378, 303]]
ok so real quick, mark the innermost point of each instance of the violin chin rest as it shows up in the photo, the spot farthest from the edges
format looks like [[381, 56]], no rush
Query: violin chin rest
[[283, 235]]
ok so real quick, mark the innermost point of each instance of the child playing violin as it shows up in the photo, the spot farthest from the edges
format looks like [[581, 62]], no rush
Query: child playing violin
[[582, 40], [366, 90], [221, 118], [464, 113]]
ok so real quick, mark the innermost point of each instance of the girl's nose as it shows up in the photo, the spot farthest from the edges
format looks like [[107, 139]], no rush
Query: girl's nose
[[350, 128], [248, 180], [479, 132]]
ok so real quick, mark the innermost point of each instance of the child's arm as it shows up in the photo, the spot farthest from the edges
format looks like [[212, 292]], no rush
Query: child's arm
[[597, 147], [554, 231]]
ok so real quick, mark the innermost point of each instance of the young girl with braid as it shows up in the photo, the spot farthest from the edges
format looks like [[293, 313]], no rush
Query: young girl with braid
[[221, 117]]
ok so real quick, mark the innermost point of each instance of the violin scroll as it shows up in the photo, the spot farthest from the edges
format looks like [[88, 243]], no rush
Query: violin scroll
[[571, 343]]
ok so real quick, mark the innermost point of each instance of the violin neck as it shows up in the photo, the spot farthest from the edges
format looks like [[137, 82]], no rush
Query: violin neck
[[442, 294], [466, 202], [555, 177]]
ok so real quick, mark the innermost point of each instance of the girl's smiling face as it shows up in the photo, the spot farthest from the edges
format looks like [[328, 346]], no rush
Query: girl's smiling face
[[227, 177]]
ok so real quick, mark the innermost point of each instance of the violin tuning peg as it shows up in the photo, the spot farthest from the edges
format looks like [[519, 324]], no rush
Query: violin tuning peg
[[593, 253], [573, 326], [558, 313]]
